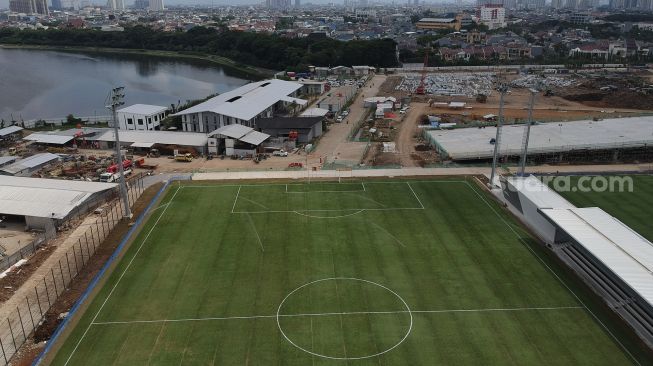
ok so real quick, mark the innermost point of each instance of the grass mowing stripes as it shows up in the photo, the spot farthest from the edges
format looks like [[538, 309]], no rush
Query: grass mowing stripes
[[203, 262]]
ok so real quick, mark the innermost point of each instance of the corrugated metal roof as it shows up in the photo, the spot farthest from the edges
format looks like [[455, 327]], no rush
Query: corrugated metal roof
[[157, 137], [30, 162], [4, 160], [46, 138], [235, 131], [255, 137], [145, 109], [626, 253], [142, 144], [39, 197], [315, 112], [474, 143], [247, 101], [9, 130]]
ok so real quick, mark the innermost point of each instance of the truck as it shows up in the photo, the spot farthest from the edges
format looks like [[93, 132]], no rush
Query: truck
[[184, 157], [125, 165], [109, 177]]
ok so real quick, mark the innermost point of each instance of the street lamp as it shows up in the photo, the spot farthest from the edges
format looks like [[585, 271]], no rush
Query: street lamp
[[503, 89], [116, 99]]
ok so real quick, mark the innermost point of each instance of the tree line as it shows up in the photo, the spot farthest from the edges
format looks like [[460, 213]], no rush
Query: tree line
[[262, 50]]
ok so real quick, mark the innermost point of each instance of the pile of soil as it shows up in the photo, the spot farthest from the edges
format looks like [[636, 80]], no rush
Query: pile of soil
[[627, 92]]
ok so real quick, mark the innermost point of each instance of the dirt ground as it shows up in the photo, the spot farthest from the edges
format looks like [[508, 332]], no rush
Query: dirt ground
[[64, 303]]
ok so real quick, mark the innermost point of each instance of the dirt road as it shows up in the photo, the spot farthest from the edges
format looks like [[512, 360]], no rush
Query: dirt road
[[405, 142]]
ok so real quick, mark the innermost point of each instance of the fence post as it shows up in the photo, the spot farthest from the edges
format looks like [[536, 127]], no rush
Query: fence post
[[63, 280], [86, 239], [75, 258], [47, 292], [38, 300], [87, 250], [70, 275], [54, 281], [4, 355], [20, 319], [12, 335], [29, 308], [79, 241]]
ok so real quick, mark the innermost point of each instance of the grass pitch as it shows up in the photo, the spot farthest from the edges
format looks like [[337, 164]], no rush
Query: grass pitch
[[634, 209], [374, 273]]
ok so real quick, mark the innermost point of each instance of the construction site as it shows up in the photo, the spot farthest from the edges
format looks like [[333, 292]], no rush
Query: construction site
[[455, 100]]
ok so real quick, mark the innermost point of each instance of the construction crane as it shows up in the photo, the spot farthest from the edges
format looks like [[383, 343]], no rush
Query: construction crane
[[421, 89]]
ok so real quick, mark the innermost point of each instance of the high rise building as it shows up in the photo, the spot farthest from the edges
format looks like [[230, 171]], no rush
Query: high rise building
[[29, 6], [156, 5], [278, 4], [141, 4], [116, 4], [56, 5], [298, 4]]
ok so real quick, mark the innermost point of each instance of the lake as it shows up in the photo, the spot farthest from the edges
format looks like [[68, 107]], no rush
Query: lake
[[50, 84]]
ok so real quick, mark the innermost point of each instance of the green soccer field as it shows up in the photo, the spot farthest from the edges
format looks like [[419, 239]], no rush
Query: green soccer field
[[635, 208], [373, 273]]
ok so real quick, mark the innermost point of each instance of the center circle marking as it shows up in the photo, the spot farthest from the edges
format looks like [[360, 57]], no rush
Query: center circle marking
[[410, 326]]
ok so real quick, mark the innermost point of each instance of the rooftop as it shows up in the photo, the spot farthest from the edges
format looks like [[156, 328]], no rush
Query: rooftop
[[627, 254], [145, 109], [474, 143], [289, 122], [249, 100], [9, 130], [29, 162], [157, 137], [46, 138], [52, 198]]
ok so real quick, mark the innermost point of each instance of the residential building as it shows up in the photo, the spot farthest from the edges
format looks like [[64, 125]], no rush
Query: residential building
[[156, 5], [29, 6], [244, 106], [141, 117], [116, 4], [439, 23], [493, 16]]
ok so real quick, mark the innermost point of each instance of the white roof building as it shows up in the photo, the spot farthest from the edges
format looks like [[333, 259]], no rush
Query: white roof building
[[29, 164], [151, 138], [9, 130], [614, 133], [50, 198], [49, 139], [242, 105], [141, 117]]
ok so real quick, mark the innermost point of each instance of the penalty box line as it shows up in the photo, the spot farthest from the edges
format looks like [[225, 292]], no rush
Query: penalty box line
[[444, 311]]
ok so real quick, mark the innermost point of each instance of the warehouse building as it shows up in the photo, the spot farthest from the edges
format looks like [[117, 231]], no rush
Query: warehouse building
[[25, 167], [243, 106], [611, 140], [236, 140], [45, 204], [165, 140], [141, 117], [611, 258], [10, 134], [307, 128]]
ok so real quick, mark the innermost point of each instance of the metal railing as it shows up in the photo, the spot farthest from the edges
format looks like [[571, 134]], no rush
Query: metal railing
[[30, 313]]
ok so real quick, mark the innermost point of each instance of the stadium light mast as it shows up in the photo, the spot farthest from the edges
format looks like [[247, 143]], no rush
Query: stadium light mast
[[527, 134], [503, 89], [116, 99]]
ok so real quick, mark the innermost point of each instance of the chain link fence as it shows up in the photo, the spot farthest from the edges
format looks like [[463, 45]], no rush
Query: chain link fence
[[56, 276]]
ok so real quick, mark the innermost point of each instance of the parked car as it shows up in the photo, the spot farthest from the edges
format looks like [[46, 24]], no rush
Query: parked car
[[339, 119], [280, 153]]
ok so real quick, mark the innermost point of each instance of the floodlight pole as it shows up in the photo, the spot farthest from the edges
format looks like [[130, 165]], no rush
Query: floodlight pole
[[116, 99], [522, 166], [503, 89]]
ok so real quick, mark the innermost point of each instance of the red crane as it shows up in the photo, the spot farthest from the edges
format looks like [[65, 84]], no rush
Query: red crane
[[421, 89]]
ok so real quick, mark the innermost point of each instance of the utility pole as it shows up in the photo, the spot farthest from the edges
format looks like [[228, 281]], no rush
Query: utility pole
[[116, 99], [503, 89], [527, 135]]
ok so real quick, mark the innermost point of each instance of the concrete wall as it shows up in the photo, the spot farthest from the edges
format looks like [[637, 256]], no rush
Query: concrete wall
[[42, 223], [139, 122]]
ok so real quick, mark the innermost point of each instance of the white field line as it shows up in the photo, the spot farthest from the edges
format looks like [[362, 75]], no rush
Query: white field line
[[120, 278], [328, 217], [331, 210], [444, 311], [554, 274], [236, 199], [415, 194], [251, 222], [254, 202], [387, 232]]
